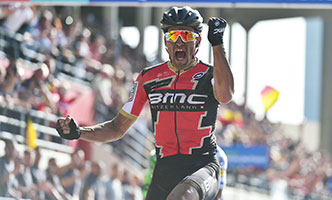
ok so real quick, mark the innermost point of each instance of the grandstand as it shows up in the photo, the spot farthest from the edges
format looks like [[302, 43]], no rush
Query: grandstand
[[76, 70]]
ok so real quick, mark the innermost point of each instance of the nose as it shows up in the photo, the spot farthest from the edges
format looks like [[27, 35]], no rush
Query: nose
[[179, 41]]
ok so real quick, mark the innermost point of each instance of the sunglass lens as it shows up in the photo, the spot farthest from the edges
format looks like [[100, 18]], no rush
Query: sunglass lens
[[185, 35]]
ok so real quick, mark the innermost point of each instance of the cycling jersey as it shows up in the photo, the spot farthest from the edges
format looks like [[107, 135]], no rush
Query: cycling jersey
[[183, 107]]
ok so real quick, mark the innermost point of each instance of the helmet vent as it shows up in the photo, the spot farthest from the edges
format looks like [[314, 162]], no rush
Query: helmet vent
[[184, 16]]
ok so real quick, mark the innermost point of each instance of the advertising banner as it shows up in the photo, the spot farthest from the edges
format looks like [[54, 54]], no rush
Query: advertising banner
[[242, 156]]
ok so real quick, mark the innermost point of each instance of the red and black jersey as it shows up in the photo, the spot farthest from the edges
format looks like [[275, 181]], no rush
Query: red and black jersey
[[183, 107]]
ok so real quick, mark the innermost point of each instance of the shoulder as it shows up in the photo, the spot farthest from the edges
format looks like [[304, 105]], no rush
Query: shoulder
[[205, 64], [153, 68], [207, 68]]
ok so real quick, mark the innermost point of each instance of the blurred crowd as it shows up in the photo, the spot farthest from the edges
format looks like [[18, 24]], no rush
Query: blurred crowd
[[110, 66], [22, 177], [305, 172], [68, 46]]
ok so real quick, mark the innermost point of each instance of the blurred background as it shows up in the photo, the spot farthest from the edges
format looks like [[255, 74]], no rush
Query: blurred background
[[80, 58]]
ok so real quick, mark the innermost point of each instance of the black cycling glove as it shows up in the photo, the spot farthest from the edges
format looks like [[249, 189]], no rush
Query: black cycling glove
[[217, 27], [74, 132]]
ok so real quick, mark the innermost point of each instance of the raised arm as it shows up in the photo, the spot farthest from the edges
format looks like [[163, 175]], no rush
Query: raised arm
[[223, 77], [104, 132]]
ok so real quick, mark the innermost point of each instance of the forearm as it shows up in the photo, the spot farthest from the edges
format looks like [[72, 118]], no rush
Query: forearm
[[223, 77], [103, 132], [108, 131]]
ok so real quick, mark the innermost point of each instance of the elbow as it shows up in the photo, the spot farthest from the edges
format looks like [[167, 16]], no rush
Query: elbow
[[224, 97]]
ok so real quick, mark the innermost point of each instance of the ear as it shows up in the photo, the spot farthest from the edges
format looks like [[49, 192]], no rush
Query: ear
[[197, 43]]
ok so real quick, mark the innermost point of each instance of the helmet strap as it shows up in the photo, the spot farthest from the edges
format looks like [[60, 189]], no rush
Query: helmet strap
[[197, 47]]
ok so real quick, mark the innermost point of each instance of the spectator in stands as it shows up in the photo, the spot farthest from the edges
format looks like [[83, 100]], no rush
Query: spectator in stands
[[13, 182], [42, 33], [71, 180], [25, 178], [103, 87], [7, 169], [97, 47], [82, 53], [17, 15], [34, 92], [4, 11], [71, 33], [94, 186], [127, 189], [2, 77], [52, 173], [64, 101], [119, 90], [38, 175], [113, 184], [136, 185], [10, 83]]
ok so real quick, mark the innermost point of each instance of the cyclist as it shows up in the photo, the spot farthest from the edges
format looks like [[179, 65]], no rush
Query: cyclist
[[184, 95]]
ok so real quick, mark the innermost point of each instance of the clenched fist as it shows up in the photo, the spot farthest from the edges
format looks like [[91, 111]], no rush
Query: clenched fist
[[217, 27], [68, 128]]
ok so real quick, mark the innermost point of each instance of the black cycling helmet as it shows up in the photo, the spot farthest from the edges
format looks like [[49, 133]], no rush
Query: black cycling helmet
[[184, 16]]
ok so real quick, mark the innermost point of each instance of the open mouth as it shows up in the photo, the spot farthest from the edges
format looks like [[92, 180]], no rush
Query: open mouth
[[180, 55]]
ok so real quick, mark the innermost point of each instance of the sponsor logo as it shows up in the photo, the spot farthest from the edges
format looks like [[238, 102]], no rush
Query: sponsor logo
[[178, 98], [199, 75], [206, 185], [218, 30], [217, 23], [133, 92]]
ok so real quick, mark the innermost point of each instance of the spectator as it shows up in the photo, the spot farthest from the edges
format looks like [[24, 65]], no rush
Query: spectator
[[9, 85], [18, 15], [52, 176], [94, 186], [113, 184], [7, 168], [34, 92], [105, 108], [97, 47], [42, 33], [137, 188], [25, 178], [64, 101], [127, 189], [71, 180]]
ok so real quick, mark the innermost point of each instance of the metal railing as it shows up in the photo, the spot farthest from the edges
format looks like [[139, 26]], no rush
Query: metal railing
[[13, 123], [135, 146]]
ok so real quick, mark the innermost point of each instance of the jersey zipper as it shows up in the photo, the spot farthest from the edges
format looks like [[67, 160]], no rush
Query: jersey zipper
[[175, 120]]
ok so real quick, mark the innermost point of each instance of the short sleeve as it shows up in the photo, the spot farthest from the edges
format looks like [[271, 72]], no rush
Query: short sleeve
[[137, 99]]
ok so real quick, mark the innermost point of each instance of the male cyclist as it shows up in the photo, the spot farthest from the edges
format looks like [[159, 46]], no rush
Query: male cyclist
[[184, 94]]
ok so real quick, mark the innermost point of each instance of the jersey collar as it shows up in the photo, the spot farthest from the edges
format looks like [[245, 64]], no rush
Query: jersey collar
[[173, 68]]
